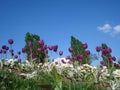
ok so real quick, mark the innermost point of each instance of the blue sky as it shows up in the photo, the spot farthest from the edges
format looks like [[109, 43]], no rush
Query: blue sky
[[91, 21]]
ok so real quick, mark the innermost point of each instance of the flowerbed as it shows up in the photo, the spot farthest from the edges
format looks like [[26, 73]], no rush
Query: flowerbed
[[58, 73], [74, 72]]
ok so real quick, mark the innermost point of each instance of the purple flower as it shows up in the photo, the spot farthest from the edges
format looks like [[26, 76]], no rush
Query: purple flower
[[110, 59], [23, 50], [30, 44], [79, 56], [114, 58], [63, 61], [102, 63], [10, 41], [109, 50], [75, 57], [61, 53], [41, 42], [4, 46], [68, 58], [50, 47], [98, 49], [1, 51], [19, 53], [70, 49], [15, 56], [39, 49], [55, 48], [104, 51], [85, 46], [88, 52]]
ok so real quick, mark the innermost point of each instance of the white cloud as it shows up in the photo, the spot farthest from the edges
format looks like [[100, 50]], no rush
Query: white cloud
[[106, 28], [117, 28], [112, 30]]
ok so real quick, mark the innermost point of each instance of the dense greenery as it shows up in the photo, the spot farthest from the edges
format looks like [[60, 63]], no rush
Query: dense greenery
[[78, 49], [32, 45]]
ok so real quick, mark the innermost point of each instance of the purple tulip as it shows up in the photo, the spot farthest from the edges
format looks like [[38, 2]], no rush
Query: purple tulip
[[30, 44], [68, 58], [63, 61], [110, 59], [19, 53], [88, 52], [104, 51], [39, 49], [55, 48], [61, 53], [50, 47], [109, 50], [41, 42], [79, 56], [85, 46], [4, 46], [75, 58], [1, 51], [10, 41], [102, 63], [15, 56], [23, 50], [70, 49], [114, 58], [98, 49]]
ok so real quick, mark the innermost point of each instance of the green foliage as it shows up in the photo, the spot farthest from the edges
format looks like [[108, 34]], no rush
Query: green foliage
[[34, 48], [106, 56], [78, 49]]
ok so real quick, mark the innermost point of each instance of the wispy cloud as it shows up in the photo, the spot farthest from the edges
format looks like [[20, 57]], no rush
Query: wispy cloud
[[107, 28]]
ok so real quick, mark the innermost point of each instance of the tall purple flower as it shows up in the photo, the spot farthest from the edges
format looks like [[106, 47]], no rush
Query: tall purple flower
[[19, 52], [41, 42], [70, 49], [109, 50], [10, 41], [30, 44], [15, 56], [23, 50], [98, 49], [4, 46], [85, 46], [50, 47], [61, 53], [55, 48], [39, 49], [88, 52], [114, 58]]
